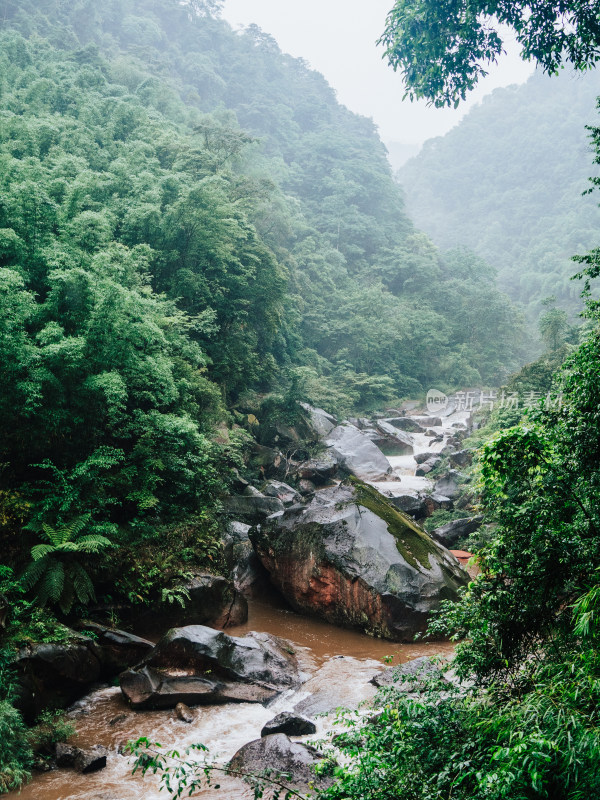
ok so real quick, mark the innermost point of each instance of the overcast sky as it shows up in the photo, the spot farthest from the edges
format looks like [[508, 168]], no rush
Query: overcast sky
[[337, 37]]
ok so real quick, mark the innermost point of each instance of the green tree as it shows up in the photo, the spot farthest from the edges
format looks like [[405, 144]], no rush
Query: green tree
[[442, 49]]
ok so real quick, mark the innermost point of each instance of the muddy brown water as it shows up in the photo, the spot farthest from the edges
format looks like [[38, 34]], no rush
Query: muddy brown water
[[337, 662]]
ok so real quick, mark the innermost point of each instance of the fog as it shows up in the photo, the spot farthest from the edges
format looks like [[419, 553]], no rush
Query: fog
[[338, 38]]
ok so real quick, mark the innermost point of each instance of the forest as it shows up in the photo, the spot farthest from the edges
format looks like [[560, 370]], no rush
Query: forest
[[198, 243], [511, 182]]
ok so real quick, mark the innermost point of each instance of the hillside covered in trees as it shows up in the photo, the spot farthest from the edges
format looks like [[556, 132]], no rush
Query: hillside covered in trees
[[195, 236], [190, 221], [508, 182]]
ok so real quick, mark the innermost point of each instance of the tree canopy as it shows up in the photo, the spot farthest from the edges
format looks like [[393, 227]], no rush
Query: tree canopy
[[443, 48]]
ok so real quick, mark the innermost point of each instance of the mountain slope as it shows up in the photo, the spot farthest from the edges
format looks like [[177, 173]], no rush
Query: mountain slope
[[508, 182]]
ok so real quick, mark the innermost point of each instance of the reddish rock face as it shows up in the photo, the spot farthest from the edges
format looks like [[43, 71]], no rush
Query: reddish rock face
[[370, 567]]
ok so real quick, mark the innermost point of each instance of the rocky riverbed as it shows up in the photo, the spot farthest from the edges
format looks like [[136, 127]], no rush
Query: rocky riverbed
[[344, 548]]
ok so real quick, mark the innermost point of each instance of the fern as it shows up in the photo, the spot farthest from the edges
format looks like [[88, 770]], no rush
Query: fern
[[54, 580], [55, 571]]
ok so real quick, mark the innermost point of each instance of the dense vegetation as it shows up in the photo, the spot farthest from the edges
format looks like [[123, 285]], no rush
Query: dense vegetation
[[508, 182], [162, 267], [192, 231], [523, 724]]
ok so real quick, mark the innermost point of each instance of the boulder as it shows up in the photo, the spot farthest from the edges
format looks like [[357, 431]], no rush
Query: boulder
[[427, 466], [428, 422], [391, 441], [247, 572], [55, 674], [462, 458], [320, 470], [420, 458], [408, 424], [290, 724], [252, 506], [282, 491], [357, 455], [276, 756], [435, 502], [448, 485], [355, 560], [320, 421], [85, 761], [118, 649], [450, 533], [409, 677], [407, 501], [196, 665]]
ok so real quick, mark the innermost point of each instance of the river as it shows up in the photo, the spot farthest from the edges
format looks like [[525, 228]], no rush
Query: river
[[337, 663]]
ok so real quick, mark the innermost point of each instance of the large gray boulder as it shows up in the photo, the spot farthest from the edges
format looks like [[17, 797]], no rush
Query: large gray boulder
[[320, 421], [200, 666], [289, 723], [353, 559], [118, 649], [406, 424], [278, 757], [252, 506], [357, 454], [282, 491], [247, 572], [449, 485], [450, 533], [319, 470], [390, 440]]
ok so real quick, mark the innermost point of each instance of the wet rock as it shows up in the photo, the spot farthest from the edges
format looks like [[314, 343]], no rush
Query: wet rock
[[462, 458], [290, 724], [247, 572], [427, 466], [320, 421], [55, 674], [320, 470], [428, 422], [341, 682], [85, 761], [448, 486], [390, 440], [435, 502], [198, 666], [306, 487], [118, 649], [184, 713], [118, 719], [357, 455], [252, 506], [407, 500], [354, 559], [409, 677], [278, 755], [408, 424], [420, 458], [450, 533], [282, 491]]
